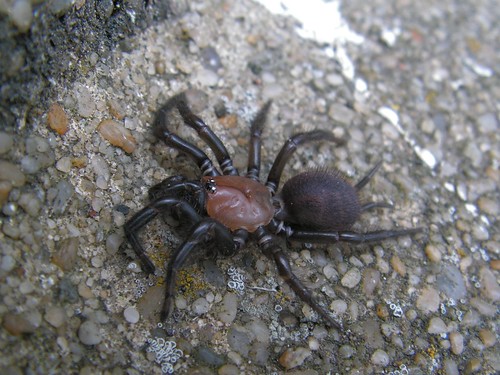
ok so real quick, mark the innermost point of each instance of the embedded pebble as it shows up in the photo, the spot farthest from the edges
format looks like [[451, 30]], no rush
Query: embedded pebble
[[89, 333], [11, 173], [239, 340], [116, 134], [380, 358], [346, 351], [294, 357], [85, 104], [433, 253], [21, 14], [330, 272], [61, 195], [488, 122], [229, 308], [17, 324], [55, 316], [339, 307], [64, 164], [131, 314], [450, 367], [371, 280], [66, 254], [30, 204], [398, 265], [483, 307], [489, 285], [259, 329], [487, 337], [457, 343], [428, 300], [207, 77], [208, 356], [200, 306], [57, 119], [451, 282], [351, 278], [437, 326], [7, 263], [6, 142], [113, 243]]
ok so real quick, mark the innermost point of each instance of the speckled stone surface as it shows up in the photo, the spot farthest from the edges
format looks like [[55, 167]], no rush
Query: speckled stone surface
[[74, 298]]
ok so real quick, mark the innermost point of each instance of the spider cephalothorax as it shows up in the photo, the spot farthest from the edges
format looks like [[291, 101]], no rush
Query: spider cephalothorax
[[314, 206]]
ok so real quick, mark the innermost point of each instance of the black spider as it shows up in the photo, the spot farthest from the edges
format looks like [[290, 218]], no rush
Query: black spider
[[313, 207]]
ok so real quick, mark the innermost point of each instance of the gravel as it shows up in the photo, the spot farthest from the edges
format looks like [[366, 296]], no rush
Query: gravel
[[79, 162]]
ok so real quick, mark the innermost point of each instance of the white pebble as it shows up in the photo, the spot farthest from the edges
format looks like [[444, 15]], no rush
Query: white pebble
[[380, 358], [200, 306], [437, 326], [351, 278], [131, 315]]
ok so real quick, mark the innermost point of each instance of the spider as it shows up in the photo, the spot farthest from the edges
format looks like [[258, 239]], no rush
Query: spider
[[317, 206]]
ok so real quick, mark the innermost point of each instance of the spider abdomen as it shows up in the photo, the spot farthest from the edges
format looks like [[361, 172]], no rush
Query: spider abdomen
[[238, 202], [321, 200]]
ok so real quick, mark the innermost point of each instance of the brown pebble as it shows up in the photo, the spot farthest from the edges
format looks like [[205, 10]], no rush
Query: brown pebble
[[66, 255], [382, 311], [5, 188], [57, 119], [473, 366], [433, 253], [116, 134], [17, 324], [398, 265], [294, 357], [495, 264], [116, 109], [487, 337], [229, 121]]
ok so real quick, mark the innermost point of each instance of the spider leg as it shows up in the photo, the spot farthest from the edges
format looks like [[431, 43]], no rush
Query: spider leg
[[368, 176], [205, 133], [290, 147], [205, 230], [269, 246], [346, 236], [148, 213], [258, 122], [372, 205]]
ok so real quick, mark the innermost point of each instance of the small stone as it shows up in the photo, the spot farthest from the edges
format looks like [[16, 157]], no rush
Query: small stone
[[89, 334], [351, 278], [113, 243], [116, 134], [433, 253], [6, 142], [488, 123], [55, 316], [11, 173], [398, 265], [371, 280], [239, 340], [451, 282], [57, 119], [207, 77], [5, 188], [131, 315], [21, 14], [380, 358], [437, 326], [292, 358], [489, 285], [457, 343], [339, 307], [450, 367], [200, 306], [330, 272], [17, 324], [64, 164], [229, 308], [382, 311], [487, 337], [341, 114], [66, 255], [428, 300], [474, 365], [484, 308], [346, 351]]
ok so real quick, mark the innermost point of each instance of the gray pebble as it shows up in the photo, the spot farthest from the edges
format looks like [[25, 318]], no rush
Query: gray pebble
[[89, 334], [437, 326], [113, 242], [6, 142], [239, 340], [488, 123], [489, 285], [11, 173], [64, 164], [55, 316], [450, 281], [450, 367]]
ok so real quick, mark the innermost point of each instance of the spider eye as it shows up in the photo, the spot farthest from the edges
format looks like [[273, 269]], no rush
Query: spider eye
[[211, 186]]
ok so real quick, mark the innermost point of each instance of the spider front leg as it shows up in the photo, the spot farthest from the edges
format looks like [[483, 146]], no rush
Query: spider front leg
[[273, 250], [204, 231]]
